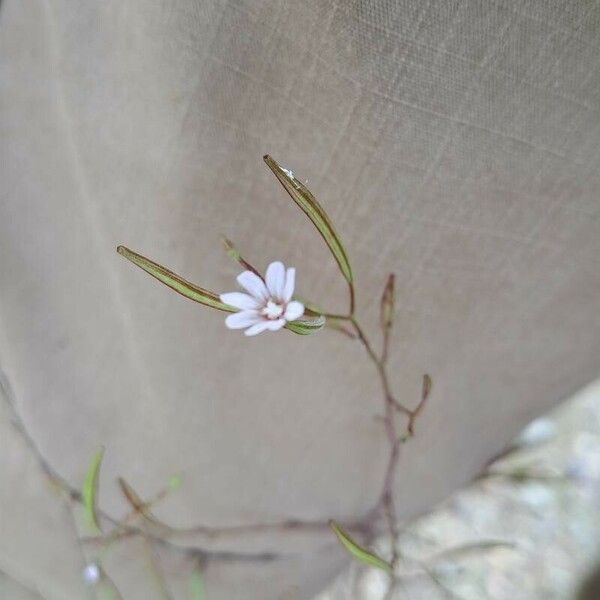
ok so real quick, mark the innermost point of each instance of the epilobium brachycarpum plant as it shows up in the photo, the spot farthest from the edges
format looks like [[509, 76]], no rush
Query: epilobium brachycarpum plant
[[267, 304]]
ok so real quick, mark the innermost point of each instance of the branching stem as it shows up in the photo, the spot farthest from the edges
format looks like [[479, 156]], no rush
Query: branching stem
[[386, 500], [385, 505]]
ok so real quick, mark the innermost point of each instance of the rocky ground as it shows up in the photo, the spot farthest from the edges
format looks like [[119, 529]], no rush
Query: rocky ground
[[528, 531]]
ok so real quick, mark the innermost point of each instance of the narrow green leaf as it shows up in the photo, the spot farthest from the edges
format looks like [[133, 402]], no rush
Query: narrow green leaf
[[197, 586], [174, 281], [387, 305], [174, 482], [306, 326], [313, 210], [357, 551], [90, 489]]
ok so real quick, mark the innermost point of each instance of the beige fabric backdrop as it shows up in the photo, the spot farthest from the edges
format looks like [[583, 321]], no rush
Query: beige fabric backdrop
[[454, 143]]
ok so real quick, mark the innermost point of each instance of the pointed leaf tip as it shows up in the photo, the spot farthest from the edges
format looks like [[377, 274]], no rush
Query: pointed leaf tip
[[427, 383], [302, 196], [174, 281], [388, 304], [357, 551], [230, 249], [235, 255]]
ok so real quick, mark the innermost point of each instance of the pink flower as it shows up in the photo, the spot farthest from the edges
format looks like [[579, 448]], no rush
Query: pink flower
[[268, 304]]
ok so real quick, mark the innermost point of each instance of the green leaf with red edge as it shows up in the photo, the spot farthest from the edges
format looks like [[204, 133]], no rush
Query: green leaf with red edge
[[174, 281], [302, 196]]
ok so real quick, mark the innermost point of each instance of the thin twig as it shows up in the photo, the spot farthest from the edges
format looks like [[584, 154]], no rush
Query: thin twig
[[74, 494], [417, 411], [386, 501], [157, 572], [332, 316], [336, 326], [234, 254], [386, 311]]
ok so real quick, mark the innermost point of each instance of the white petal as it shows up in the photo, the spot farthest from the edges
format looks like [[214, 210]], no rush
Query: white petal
[[257, 328], [242, 319], [240, 300], [275, 279], [254, 285], [276, 325], [293, 311], [290, 282], [91, 574]]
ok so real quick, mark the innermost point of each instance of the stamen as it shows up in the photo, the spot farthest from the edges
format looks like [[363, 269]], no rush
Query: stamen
[[272, 310]]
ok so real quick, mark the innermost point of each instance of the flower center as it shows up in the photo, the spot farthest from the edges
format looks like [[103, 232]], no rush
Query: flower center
[[272, 310]]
